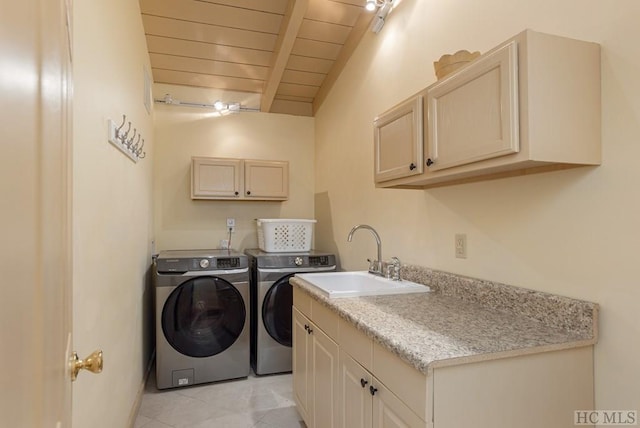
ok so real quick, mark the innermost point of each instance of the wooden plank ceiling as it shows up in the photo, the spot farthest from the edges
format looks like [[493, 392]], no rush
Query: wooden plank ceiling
[[289, 51]]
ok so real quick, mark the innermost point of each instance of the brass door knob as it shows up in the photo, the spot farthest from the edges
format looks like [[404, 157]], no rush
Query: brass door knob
[[93, 363]]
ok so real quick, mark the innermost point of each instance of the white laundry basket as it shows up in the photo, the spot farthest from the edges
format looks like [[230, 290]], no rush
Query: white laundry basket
[[284, 235]]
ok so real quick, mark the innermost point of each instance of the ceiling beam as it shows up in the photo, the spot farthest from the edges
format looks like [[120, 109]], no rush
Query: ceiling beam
[[356, 34], [288, 33]]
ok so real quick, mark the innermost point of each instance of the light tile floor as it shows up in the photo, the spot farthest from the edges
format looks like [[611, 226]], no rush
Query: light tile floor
[[257, 401]]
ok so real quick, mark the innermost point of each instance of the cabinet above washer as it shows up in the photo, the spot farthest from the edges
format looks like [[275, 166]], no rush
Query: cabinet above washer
[[531, 104], [239, 179]]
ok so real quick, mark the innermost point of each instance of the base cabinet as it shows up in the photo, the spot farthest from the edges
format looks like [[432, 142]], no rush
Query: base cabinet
[[343, 379], [364, 402], [331, 386], [529, 391], [355, 401], [301, 364], [315, 373]]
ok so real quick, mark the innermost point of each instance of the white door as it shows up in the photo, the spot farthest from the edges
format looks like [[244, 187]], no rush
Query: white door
[[35, 190]]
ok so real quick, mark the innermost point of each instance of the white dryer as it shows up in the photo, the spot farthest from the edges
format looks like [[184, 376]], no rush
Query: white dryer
[[202, 317]]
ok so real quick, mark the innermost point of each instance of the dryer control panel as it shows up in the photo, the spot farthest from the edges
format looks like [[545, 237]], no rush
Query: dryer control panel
[[320, 261], [295, 260]]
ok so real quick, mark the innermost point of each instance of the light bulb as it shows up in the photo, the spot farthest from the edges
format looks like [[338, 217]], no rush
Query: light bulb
[[370, 5], [219, 105]]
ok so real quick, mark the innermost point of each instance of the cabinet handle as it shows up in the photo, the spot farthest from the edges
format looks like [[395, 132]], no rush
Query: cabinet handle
[[306, 327], [309, 330], [363, 382], [373, 390], [248, 192], [412, 166], [429, 162]]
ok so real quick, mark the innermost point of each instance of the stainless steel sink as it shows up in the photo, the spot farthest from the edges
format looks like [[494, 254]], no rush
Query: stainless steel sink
[[352, 284]]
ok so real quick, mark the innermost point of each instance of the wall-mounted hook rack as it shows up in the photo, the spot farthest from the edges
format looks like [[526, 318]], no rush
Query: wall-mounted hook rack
[[130, 146]]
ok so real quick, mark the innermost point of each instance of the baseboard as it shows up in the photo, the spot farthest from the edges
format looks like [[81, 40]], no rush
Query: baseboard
[[133, 415]]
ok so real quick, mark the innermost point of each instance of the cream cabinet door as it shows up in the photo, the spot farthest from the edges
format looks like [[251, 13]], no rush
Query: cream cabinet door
[[354, 397], [473, 115], [266, 179], [213, 178], [324, 379], [398, 141], [390, 412], [301, 364]]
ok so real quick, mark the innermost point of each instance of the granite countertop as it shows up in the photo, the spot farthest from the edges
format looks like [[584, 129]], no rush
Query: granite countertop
[[465, 320]]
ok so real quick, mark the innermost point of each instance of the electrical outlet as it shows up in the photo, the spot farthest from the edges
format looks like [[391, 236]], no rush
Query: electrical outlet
[[231, 225], [224, 244], [461, 245]]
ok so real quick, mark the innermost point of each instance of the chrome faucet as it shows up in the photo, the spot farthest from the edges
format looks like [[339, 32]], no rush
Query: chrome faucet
[[375, 266], [390, 269]]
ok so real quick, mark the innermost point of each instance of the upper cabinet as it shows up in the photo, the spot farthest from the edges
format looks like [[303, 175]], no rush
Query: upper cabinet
[[475, 116], [398, 139], [266, 179], [222, 178], [213, 178], [530, 105]]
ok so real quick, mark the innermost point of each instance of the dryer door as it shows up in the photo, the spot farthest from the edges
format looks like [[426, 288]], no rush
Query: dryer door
[[276, 310], [203, 316]]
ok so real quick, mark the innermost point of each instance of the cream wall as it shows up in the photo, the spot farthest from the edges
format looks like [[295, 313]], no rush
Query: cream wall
[[573, 233], [182, 132], [112, 211]]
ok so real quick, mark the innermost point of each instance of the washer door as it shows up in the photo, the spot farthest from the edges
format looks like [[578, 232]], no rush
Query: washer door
[[203, 316], [276, 310]]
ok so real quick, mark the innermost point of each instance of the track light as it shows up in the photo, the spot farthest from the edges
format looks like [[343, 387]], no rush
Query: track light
[[378, 21], [221, 108], [372, 5]]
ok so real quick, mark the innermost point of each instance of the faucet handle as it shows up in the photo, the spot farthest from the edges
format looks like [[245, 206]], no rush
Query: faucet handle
[[393, 269], [375, 267]]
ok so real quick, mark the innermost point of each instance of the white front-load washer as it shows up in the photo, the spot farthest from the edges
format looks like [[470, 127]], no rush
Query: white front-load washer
[[202, 317]]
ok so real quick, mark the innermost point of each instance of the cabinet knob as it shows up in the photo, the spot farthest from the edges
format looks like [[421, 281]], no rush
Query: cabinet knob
[[237, 193], [373, 390], [412, 166], [306, 327], [248, 192], [429, 162], [310, 330], [363, 382]]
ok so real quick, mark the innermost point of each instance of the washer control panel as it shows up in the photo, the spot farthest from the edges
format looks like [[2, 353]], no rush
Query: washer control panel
[[216, 263], [182, 261], [227, 262]]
